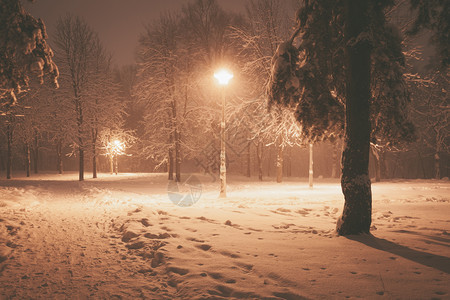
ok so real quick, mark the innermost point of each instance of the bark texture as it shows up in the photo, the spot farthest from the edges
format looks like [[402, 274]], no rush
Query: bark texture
[[280, 162], [259, 151], [59, 155], [9, 137], [249, 174], [36, 154], [28, 159], [334, 165], [170, 169], [94, 152], [355, 182]]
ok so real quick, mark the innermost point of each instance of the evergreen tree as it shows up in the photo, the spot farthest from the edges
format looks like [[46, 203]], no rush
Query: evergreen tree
[[23, 51], [435, 16], [345, 77]]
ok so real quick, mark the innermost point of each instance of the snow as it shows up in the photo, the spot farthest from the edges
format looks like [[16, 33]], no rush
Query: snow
[[121, 237]]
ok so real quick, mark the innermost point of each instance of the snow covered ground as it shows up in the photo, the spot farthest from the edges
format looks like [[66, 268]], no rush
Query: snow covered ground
[[121, 237]]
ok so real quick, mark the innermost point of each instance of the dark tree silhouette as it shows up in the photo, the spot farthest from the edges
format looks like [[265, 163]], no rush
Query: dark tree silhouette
[[345, 77], [23, 51]]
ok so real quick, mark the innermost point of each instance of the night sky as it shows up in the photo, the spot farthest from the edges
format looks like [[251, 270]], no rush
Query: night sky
[[118, 22]]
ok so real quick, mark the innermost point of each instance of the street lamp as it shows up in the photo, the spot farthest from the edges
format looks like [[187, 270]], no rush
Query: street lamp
[[115, 148], [223, 77]]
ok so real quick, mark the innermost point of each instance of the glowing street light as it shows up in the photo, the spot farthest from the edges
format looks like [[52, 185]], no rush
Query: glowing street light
[[114, 149], [118, 147], [223, 77]]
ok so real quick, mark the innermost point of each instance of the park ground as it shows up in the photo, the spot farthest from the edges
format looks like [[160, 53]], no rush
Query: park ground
[[122, 237]]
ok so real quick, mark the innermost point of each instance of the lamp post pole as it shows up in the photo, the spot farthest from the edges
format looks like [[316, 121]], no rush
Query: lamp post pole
[[223, 76], [223, 166]]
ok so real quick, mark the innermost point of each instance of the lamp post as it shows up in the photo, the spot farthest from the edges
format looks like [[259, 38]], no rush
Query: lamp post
[[223, 77], [115, 148]]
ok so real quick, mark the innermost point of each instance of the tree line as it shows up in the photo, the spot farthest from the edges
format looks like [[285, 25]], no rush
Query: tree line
[[166, 107]]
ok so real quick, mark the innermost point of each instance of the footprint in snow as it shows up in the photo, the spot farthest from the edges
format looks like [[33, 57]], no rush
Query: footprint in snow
[[229, 254], [221, 290], [215, 275], [193, 239], [160, 236], [135, 211], [204, 247], [245, 267], [288, 295], [128, 235], [137, 245], [177, 270], [228, 223], [207, 220]]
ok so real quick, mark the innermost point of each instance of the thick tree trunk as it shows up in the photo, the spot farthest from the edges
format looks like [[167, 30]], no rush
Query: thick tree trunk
[[28, 159], [94, 162], [81, 164], [289, 163], [311, 166], [59, 163], [177, 156], [79, 110], [2, 161], [394, 167], [437, 169], [94, 153], [383, 165], [357, 213], [249, 174], [36, 154], [334, 164], [259, 150], [9, 136], [170, 169], [279, 164], [421, 163], [376, 160]]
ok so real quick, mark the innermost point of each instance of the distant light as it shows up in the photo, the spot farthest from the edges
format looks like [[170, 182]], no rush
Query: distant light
[[223, 76], [116, 147]]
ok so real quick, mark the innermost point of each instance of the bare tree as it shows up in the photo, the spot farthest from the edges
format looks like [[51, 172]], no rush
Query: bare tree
[[267, 27], [103, 108], [114, 143], [432, 111], [207, 24], [87, 67], [74, 41], [157, 88]]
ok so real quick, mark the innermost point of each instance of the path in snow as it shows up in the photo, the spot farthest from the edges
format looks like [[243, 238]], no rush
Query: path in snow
[[62, 248], [125, 239]]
